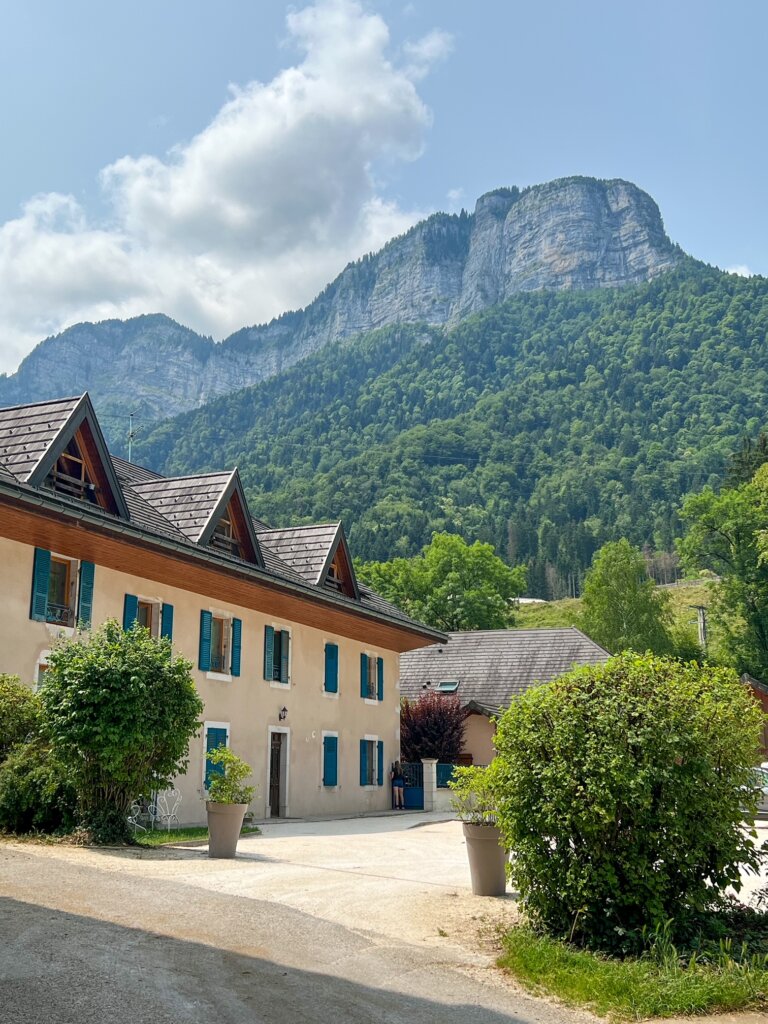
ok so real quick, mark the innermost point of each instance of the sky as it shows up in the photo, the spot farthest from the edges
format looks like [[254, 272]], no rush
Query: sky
[[221, 163]]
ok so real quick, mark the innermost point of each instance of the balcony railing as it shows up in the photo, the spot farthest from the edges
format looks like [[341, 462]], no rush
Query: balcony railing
[[60, 614]]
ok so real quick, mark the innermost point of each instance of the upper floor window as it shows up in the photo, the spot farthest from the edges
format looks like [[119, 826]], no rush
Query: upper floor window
[[69, 475], [371, 677], [220, 643], [62, 589], [224, 536], [277, 652]]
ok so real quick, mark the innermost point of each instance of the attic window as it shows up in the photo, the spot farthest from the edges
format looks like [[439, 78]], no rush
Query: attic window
[[448, 686], [334, 578], [69, 475], [224, 537]]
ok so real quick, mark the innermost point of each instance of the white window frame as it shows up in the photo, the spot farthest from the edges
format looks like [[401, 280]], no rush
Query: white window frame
[[222, 677], [206, 727], [372, 670], [322, 786], [325, 693], [286, 731], [277, 684], [372, 762], [157, 607], [74, 579]]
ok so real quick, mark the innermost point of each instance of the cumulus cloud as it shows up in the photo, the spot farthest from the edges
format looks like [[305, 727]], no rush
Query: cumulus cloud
[[250, 217], [741, 269]]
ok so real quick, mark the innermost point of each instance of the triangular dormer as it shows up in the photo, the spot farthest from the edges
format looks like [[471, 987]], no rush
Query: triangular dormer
[[76, 463], [337, 572], [230, 528]]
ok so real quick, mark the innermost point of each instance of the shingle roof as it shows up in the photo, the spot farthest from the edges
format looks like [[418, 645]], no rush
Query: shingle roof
[[493, 666], [186, 501], [129, 471], [27, 432], [303, 548]]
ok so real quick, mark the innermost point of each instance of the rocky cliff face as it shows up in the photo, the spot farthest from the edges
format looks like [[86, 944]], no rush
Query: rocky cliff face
[[569, 233]]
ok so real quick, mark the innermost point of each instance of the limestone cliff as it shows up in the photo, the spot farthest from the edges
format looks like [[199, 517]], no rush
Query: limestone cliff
[[569, 233]]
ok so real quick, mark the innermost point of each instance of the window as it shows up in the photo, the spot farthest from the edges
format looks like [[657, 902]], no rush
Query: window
[[277, 651], [216, 734], [69, 475], [224, 537], [334, 578], [153, 615], [220, 642], [331, 682], [448, 686], [148, 615], [62, 589], [330, 759], [371, 761], [371, 677]]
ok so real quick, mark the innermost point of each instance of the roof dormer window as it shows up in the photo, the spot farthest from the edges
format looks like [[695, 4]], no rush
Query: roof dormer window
[[69, 475], [224, 536]]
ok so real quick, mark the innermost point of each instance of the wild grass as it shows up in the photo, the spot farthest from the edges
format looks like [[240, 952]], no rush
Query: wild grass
[[661, 983]]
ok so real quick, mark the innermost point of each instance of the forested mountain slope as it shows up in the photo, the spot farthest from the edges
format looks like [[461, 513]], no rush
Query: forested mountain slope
[[547, 425]]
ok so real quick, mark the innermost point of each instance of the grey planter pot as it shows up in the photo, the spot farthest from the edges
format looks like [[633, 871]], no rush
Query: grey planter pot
[[487, 859], [224, 824]]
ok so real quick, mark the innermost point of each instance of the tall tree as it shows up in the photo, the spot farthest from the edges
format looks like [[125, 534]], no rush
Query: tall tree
[[622, 608], [451, 585]]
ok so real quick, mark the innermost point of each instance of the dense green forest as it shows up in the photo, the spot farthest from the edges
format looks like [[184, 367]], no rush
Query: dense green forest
[[547, 425]]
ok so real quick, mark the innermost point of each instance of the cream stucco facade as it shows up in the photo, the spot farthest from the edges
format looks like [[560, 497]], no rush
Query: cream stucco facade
[[479, 731], [248, 706]]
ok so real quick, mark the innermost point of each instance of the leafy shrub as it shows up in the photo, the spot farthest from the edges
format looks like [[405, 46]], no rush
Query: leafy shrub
[[474, 796], [19, 713], [624, 788], [35, 791], [228, 788], [432, 726], [120, 709]]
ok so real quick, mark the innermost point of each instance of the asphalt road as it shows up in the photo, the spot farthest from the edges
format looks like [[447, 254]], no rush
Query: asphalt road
[[107, 937]]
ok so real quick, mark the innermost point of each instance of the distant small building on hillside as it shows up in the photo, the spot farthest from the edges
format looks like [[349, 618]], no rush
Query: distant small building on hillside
[[486, 669]]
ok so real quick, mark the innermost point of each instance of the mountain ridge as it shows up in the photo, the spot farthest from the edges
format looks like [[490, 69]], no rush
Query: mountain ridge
[[571, 233]]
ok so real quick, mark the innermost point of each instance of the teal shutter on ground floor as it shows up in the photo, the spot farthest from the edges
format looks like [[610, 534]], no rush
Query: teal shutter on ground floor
[[380, 763], [363, 762], [130, 610], [166, 621], [85, 594], [380, 679], [330, 760], [237, 633], [269, 652], [204, 652], [41, 573], [363, 675], [331, 668], [214, 738]]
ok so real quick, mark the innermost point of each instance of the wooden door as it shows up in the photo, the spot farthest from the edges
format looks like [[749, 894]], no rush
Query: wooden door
[[275, 758]]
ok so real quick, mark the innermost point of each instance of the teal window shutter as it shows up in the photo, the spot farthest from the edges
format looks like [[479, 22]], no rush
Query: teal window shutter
[[204, 654], [237, 633], [380, 763], [363, 762], [166, 621], [41, 574], [285, 643], [363, 675], [85, 595], [130, 610], [214, 739], [332, 668], [380, 679], [330, 760], [269, 652]]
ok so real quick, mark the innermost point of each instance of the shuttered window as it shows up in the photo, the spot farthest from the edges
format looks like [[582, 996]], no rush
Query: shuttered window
[[371, 677], [237, 633], [85, 594], [130, 610], [369, 763], [330, 760], [41, 572], [215, 737], [204, 651], [380, 763], [331, 668], [277, 645], [166, 621]]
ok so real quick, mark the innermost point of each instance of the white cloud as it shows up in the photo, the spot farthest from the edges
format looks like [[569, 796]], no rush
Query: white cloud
[[741, 269], [455, 197], [249, 218]]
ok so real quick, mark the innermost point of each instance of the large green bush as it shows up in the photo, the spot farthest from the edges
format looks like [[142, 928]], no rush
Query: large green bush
[[623, 791], [19, 713], [36, 793], [120, 709]]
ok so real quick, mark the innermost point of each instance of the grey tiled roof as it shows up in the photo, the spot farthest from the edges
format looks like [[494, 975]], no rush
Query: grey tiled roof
[[493, 666], [373, 600], [129, 471], [186, 501], [6, 474], [27, 431], [303, 548]]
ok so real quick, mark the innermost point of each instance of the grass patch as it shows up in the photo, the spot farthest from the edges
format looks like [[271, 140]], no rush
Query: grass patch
[[651, 986], [184, 835]]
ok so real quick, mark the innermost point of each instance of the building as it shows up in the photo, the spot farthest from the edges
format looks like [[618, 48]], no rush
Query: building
[[296, 662], [486, 669]]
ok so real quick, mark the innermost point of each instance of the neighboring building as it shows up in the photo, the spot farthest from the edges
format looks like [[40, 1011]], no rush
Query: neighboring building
[[486, 669], [296, 662]]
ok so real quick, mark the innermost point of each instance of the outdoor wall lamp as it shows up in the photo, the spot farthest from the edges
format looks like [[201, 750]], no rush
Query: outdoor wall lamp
[[282, 714]]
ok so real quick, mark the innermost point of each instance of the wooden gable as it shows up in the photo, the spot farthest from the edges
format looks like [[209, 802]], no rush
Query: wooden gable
[[230, 527], [337, 573]]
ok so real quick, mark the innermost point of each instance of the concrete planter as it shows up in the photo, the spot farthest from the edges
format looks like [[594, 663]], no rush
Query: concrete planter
[[224, 824], [487, 859]]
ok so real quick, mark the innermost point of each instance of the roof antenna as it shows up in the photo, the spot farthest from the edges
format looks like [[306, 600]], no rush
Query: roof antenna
[[131, 435]]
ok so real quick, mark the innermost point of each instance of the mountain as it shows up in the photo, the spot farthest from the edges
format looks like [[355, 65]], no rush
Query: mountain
[[547, 425], [573, 233]]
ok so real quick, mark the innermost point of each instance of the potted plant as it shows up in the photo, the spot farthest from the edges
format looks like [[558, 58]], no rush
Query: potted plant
[[227, 802], [474, 801]]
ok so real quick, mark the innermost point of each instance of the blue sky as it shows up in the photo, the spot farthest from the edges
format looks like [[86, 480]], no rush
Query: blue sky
[[221, 163]]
